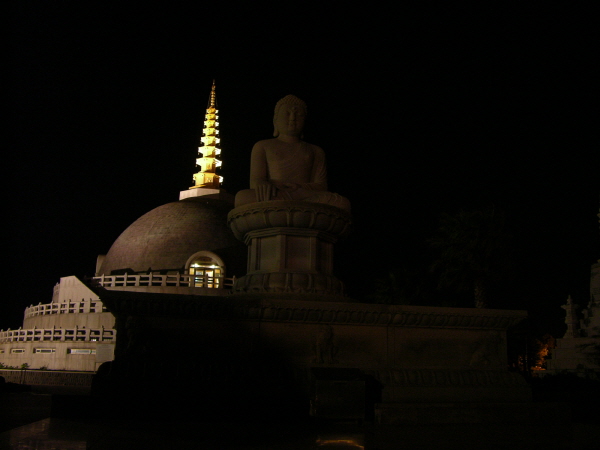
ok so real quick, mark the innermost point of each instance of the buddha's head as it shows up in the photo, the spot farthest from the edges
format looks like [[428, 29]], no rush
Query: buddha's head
[[290, 113]]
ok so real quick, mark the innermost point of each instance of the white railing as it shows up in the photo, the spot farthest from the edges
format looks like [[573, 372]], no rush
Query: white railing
[[84, 306], [59, 334], [176, 280]]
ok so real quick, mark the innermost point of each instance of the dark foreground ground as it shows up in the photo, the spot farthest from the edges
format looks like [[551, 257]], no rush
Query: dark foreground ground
[[67, 434], [49, 419]]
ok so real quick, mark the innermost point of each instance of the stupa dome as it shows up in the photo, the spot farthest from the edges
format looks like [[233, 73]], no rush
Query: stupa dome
[[165, 238]]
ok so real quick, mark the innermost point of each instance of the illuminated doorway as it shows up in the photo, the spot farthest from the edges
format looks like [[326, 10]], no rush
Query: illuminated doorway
[[206, 270]]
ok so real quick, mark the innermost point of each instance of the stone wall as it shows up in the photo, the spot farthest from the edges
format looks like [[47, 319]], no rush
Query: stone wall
[[47, 378], [81, 320], [229, 347], [57, 355]]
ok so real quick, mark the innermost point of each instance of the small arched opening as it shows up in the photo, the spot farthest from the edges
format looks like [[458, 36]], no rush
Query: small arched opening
[[207, 270]]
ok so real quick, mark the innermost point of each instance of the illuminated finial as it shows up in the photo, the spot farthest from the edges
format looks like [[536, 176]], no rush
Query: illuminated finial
[[212, 100], [210, 147]]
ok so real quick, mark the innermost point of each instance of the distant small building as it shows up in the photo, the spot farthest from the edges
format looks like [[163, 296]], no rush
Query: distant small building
[[579, 349], [74, 332]]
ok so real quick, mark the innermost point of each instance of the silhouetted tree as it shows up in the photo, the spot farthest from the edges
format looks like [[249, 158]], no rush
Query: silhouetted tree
[[471, 252], [394, 286], [404, 284], [390, 288]]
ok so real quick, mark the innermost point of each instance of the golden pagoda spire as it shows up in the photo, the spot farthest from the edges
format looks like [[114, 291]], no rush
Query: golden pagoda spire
[[209, 148]]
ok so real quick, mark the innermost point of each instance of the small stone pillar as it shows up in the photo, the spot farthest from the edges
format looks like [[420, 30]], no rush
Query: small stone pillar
[[571, 318], [290, 246]]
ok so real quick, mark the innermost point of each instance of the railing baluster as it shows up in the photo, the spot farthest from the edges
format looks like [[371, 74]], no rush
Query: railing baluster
[[177, 280]]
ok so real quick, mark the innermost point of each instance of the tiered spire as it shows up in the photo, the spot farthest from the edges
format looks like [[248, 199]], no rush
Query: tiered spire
[[209, 148]]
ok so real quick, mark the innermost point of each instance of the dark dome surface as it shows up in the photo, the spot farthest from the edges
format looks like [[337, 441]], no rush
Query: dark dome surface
[[164, 238]]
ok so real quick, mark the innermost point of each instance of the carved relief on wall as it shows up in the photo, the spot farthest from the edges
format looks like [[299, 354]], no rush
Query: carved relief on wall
[[487, 352], [427, 377], [325, 348]]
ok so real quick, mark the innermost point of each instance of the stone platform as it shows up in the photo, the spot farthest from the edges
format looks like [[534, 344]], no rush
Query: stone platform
[[245, 353]]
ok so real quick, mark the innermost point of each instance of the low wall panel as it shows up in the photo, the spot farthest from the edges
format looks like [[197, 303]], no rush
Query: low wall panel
[[47, 378]]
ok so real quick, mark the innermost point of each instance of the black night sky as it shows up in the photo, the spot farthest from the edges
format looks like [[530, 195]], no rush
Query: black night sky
[[419, 110]]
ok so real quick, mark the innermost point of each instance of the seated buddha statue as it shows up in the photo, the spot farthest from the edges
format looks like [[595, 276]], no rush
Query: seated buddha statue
[[286, 167]]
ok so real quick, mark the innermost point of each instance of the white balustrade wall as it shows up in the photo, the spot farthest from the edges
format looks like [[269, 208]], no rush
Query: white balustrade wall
[[84, 306], [175, 280], [59, 334]]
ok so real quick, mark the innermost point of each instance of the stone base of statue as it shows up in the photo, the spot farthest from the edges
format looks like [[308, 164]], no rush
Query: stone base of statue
[[262, 356], [290, 247]]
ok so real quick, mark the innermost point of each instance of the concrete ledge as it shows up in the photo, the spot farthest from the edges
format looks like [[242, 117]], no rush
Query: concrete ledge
[[289, 214], [219, 194], [471, 413], [48, 377], [177, 290]]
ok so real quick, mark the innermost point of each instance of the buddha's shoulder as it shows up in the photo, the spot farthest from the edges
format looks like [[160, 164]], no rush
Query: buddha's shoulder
[[275, 144], [266, 143]]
